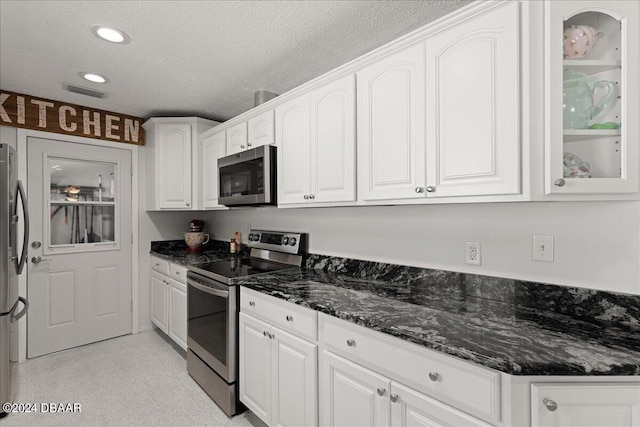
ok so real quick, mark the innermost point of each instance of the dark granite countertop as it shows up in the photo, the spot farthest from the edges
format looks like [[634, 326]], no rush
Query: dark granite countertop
[[431, 308], [511, 339]]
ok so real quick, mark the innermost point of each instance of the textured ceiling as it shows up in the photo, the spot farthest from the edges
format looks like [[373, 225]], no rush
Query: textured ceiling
[[201, 58]]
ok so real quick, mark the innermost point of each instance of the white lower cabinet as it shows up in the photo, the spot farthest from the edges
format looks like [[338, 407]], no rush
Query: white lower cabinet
[[367, 378], [178, 312], [169, 299], [278, 370], [303, 368], [159, 299], [585, 405], [352, 395], [356, 396]]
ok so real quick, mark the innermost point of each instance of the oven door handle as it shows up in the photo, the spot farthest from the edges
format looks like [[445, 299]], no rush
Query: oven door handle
[[216, 292]]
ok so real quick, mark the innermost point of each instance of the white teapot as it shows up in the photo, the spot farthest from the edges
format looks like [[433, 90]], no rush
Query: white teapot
[[578, 41]]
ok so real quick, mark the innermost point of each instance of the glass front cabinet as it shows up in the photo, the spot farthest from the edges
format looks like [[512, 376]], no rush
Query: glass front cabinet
[[592, 91]]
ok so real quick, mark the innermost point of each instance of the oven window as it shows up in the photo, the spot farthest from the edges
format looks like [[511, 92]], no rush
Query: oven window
[[242, 179], [207, 323]]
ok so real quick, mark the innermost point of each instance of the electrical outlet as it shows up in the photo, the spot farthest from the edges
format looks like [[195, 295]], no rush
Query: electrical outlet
[[543, 247], [473, 254]]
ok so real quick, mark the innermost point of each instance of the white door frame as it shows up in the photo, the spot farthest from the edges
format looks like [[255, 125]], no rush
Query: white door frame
[[21, 145]]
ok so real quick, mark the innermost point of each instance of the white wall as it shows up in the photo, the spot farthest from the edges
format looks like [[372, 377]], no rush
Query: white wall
[[597, 244]]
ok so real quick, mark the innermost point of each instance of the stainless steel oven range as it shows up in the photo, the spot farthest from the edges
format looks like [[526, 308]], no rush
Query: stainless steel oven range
[[213, 305]]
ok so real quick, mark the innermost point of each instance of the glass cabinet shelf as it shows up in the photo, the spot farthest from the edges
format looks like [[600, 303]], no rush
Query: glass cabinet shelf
[[81, 203], [591, 66], [571, 135]]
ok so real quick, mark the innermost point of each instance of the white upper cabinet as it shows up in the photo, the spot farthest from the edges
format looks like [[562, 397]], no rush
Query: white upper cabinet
[[261, 130], [441, 118], [293, 140], [592, 88], [213, 147], [174, 166], [173, 162], [237, 138], [333, 142], [315, 134], [473, 107], [391, 131]]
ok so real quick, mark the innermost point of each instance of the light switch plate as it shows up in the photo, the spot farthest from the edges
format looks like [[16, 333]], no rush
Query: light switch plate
[[543, 247]]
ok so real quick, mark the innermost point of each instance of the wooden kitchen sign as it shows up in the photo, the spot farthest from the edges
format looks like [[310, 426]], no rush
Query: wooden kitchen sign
[[28, 112]]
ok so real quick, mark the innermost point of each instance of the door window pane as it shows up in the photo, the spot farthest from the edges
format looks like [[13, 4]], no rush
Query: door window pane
[[82, 201]]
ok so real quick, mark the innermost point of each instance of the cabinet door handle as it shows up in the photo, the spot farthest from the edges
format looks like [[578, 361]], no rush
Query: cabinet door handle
[[559, 182], [394, 397], [188, 204], [252, 303], [381, 391], [249, 145], [289, 318], [419, 190], [241, 146], [550, 404], [433, 376], [306, 197], [312, 196], [431, 189], [351, 342]]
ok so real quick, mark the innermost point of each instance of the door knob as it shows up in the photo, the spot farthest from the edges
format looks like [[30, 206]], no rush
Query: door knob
[[37, 260], [36, 245], [550, 404]]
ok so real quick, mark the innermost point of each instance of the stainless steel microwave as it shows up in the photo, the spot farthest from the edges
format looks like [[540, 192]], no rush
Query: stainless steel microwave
[[248, 178]]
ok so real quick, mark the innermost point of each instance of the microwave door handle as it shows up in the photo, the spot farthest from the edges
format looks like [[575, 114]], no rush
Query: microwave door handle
[[216, 292], [19, 265]]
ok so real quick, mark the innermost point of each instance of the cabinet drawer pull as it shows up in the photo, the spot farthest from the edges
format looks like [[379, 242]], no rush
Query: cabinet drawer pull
[[550, 404], [433, 376], [394, 397], [289, 318], [252, 303], [381, 391], [351, 342]]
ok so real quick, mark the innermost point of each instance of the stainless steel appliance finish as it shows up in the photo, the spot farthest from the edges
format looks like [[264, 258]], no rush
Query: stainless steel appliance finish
[[213, 306], [11, 265], [248, 177]]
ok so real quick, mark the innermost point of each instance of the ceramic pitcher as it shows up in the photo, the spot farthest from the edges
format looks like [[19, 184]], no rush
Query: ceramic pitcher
[[577, 100]]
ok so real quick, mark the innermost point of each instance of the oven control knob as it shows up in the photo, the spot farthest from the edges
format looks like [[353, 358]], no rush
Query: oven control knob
[[285, 240], [293, 241]]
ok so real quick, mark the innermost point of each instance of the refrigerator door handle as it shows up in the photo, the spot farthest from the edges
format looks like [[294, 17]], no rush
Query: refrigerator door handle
[[24, 310], [23, 259]]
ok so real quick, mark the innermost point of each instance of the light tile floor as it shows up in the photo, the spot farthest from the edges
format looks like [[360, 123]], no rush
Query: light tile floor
[[134, 380]]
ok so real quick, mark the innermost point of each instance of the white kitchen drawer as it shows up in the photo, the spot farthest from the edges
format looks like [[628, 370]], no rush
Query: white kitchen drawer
[[464, 385], [287, 316], [178, 272], [160, 265]]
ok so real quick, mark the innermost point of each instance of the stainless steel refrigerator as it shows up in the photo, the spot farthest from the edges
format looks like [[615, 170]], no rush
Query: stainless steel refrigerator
[[11, 265]]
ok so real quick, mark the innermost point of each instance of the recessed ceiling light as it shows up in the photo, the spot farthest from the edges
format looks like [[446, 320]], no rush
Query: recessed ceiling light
[[110, 34], [93, 77]]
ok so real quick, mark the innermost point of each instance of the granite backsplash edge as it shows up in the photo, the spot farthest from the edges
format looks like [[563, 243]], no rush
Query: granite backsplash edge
[[601, 308]]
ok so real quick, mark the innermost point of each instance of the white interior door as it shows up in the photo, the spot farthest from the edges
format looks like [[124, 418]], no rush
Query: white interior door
[[79, 276]]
